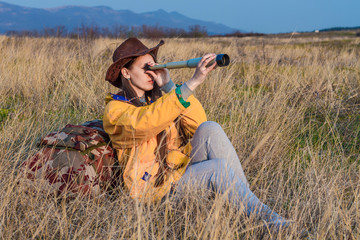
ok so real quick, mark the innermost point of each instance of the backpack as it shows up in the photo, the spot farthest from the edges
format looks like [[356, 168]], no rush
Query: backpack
[[76, 159]]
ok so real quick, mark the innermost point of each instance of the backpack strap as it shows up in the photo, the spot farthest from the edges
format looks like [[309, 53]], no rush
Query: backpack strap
[[111, 96], [119, 98]]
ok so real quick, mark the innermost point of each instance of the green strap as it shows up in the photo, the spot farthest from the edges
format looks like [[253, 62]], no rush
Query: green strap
[[179, 96], [93, 147]]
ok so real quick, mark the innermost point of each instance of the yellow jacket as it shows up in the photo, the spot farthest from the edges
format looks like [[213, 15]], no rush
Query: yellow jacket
[[133, 132]]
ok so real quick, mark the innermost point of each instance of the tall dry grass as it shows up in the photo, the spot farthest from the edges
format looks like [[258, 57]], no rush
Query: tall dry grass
[[290, 106]]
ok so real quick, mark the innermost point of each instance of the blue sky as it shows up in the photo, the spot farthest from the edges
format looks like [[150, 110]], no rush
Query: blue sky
[[264, 16]]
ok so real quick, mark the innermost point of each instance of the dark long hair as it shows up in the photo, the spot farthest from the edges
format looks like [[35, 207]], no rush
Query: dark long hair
[[127, 91]]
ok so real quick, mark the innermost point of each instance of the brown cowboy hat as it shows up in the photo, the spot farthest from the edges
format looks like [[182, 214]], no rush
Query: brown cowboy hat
[[132, 47]]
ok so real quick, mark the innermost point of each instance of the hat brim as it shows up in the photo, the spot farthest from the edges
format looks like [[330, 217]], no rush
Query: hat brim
[[113, 71]]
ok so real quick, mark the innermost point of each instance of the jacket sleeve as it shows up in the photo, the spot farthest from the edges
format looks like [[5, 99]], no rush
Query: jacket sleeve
[[192, 116], [129, 126]]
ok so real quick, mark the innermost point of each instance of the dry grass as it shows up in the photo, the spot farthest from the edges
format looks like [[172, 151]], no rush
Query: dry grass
[[290, 106]]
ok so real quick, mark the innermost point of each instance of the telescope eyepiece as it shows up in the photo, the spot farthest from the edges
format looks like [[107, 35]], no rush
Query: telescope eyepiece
[[147, 67], [222, 60]]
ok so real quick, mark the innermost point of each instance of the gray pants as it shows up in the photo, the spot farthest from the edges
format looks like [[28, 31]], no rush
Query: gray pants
[[215, 166]]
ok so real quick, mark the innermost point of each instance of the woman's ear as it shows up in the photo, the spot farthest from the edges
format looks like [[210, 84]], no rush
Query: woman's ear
[[125, 73]]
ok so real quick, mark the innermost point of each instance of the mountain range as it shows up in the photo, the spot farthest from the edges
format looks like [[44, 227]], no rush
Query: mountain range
[[18, 18]]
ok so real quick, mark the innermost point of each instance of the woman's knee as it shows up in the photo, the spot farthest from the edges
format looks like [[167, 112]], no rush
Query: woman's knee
[[209, 127]]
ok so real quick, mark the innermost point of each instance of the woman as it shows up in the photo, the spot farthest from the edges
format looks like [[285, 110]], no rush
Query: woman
[[164, 142]]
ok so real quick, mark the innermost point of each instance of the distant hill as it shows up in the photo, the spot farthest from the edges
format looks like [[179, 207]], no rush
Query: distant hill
[[17, 18]]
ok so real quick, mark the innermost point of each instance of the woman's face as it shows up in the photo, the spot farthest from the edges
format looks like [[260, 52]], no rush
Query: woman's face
[[140, 81]]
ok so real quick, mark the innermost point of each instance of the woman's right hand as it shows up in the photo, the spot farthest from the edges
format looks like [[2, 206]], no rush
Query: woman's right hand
[[201, 71], [160, 76]]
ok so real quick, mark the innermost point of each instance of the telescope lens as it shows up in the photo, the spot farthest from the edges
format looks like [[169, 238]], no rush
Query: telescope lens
[[222, 60]]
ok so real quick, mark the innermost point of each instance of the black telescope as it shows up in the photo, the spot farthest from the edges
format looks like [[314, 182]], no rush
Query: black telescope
[[221, 60]]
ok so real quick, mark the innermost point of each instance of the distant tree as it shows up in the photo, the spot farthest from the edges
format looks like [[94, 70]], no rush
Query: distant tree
[[28, 33], [120, 31], [197, 31], [59, 31], [88, 32], [175, 32], [12, 33], [240, 34], [106, 32], [153, 32]]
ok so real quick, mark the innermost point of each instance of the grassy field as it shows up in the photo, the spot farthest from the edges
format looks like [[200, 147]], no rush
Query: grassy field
[[291, 107]]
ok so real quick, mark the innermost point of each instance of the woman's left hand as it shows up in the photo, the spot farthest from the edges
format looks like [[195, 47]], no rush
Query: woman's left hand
[[160, 76], [201, 71]]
